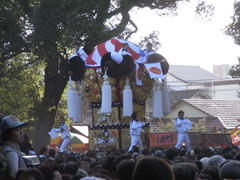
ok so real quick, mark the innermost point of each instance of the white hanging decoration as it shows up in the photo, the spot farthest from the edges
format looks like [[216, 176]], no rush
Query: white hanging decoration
[[73, 102], [78, 102], [106, 106], [127, 100], [165, 99], [157, 102]]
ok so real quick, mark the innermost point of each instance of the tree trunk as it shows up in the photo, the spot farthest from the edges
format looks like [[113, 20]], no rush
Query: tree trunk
[[55, 83]]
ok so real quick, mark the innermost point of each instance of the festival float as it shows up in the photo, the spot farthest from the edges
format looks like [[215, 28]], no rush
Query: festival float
[[107, 86]]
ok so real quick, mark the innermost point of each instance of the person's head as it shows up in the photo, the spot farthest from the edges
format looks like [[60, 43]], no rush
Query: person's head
[[70, 167], [29, 174], [76, 45], [158, 153], [57, 175], [52, 152], [125, 46], [171, 153], [149, 46], [47, 170], [149, 167], [203, 176], [11, 129], [185, 170], [134, 115], [125, 169], [230, 170], [181, 114], [211, 171], [215, 160], [43, 150], [62, 120], [84, 163]]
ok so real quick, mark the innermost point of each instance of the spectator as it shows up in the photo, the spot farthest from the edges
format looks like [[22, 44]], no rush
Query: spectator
[[47, 171], [230, 170], [42, 155], [125, 169], [11, 136], [26, 146], [84, 163], [211, 171], [70, 167], [153, 168], [185, 170], [30, 174], [215, 161], [51, 153]]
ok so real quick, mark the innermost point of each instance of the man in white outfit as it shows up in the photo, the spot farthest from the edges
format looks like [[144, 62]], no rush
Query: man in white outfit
[[66, 136], [135, 130], [182, 125], [149, 51], [125, 50]]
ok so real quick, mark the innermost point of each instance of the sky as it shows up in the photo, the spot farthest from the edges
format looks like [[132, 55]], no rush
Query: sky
[[186, 40]]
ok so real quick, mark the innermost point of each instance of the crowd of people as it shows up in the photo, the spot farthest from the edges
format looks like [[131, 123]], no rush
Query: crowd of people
[[211, 163], [160, 163], [201, 163]]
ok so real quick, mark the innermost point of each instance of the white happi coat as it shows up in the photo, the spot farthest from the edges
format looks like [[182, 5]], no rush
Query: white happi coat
[[135, 130], [182, 126]]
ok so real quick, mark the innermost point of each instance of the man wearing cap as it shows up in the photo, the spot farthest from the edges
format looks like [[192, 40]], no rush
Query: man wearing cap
[[11, 136]]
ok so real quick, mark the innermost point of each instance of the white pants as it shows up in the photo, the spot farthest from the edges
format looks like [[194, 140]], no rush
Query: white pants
[[183, 138], [64, 146], [135, 140]]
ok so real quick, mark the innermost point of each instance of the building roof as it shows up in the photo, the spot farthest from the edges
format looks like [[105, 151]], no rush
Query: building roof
[[191, 73], [227, 111], [176, 96]]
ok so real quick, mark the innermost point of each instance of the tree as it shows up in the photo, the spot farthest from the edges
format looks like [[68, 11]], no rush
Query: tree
[[234, 71], [45, 30], [233, 30]]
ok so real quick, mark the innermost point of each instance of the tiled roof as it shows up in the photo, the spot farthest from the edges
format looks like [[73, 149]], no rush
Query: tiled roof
[[191, 73], [227, 111], [176, 96]]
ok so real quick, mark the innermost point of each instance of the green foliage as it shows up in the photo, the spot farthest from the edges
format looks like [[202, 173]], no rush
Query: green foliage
[[233, 29], [163, 127], [21, 87], [170, 127], [234, 71], [151, 38], [200, 126]]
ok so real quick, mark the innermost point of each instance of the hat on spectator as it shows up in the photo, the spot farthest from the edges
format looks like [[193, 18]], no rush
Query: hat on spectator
[[10, 122], [230, 170], [158, 153]]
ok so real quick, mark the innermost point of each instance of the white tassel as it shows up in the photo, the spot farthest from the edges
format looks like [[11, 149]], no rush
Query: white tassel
[[73, 102], [106, 106], [78, 102], [165, 99], [157, 102], [127, 100]]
